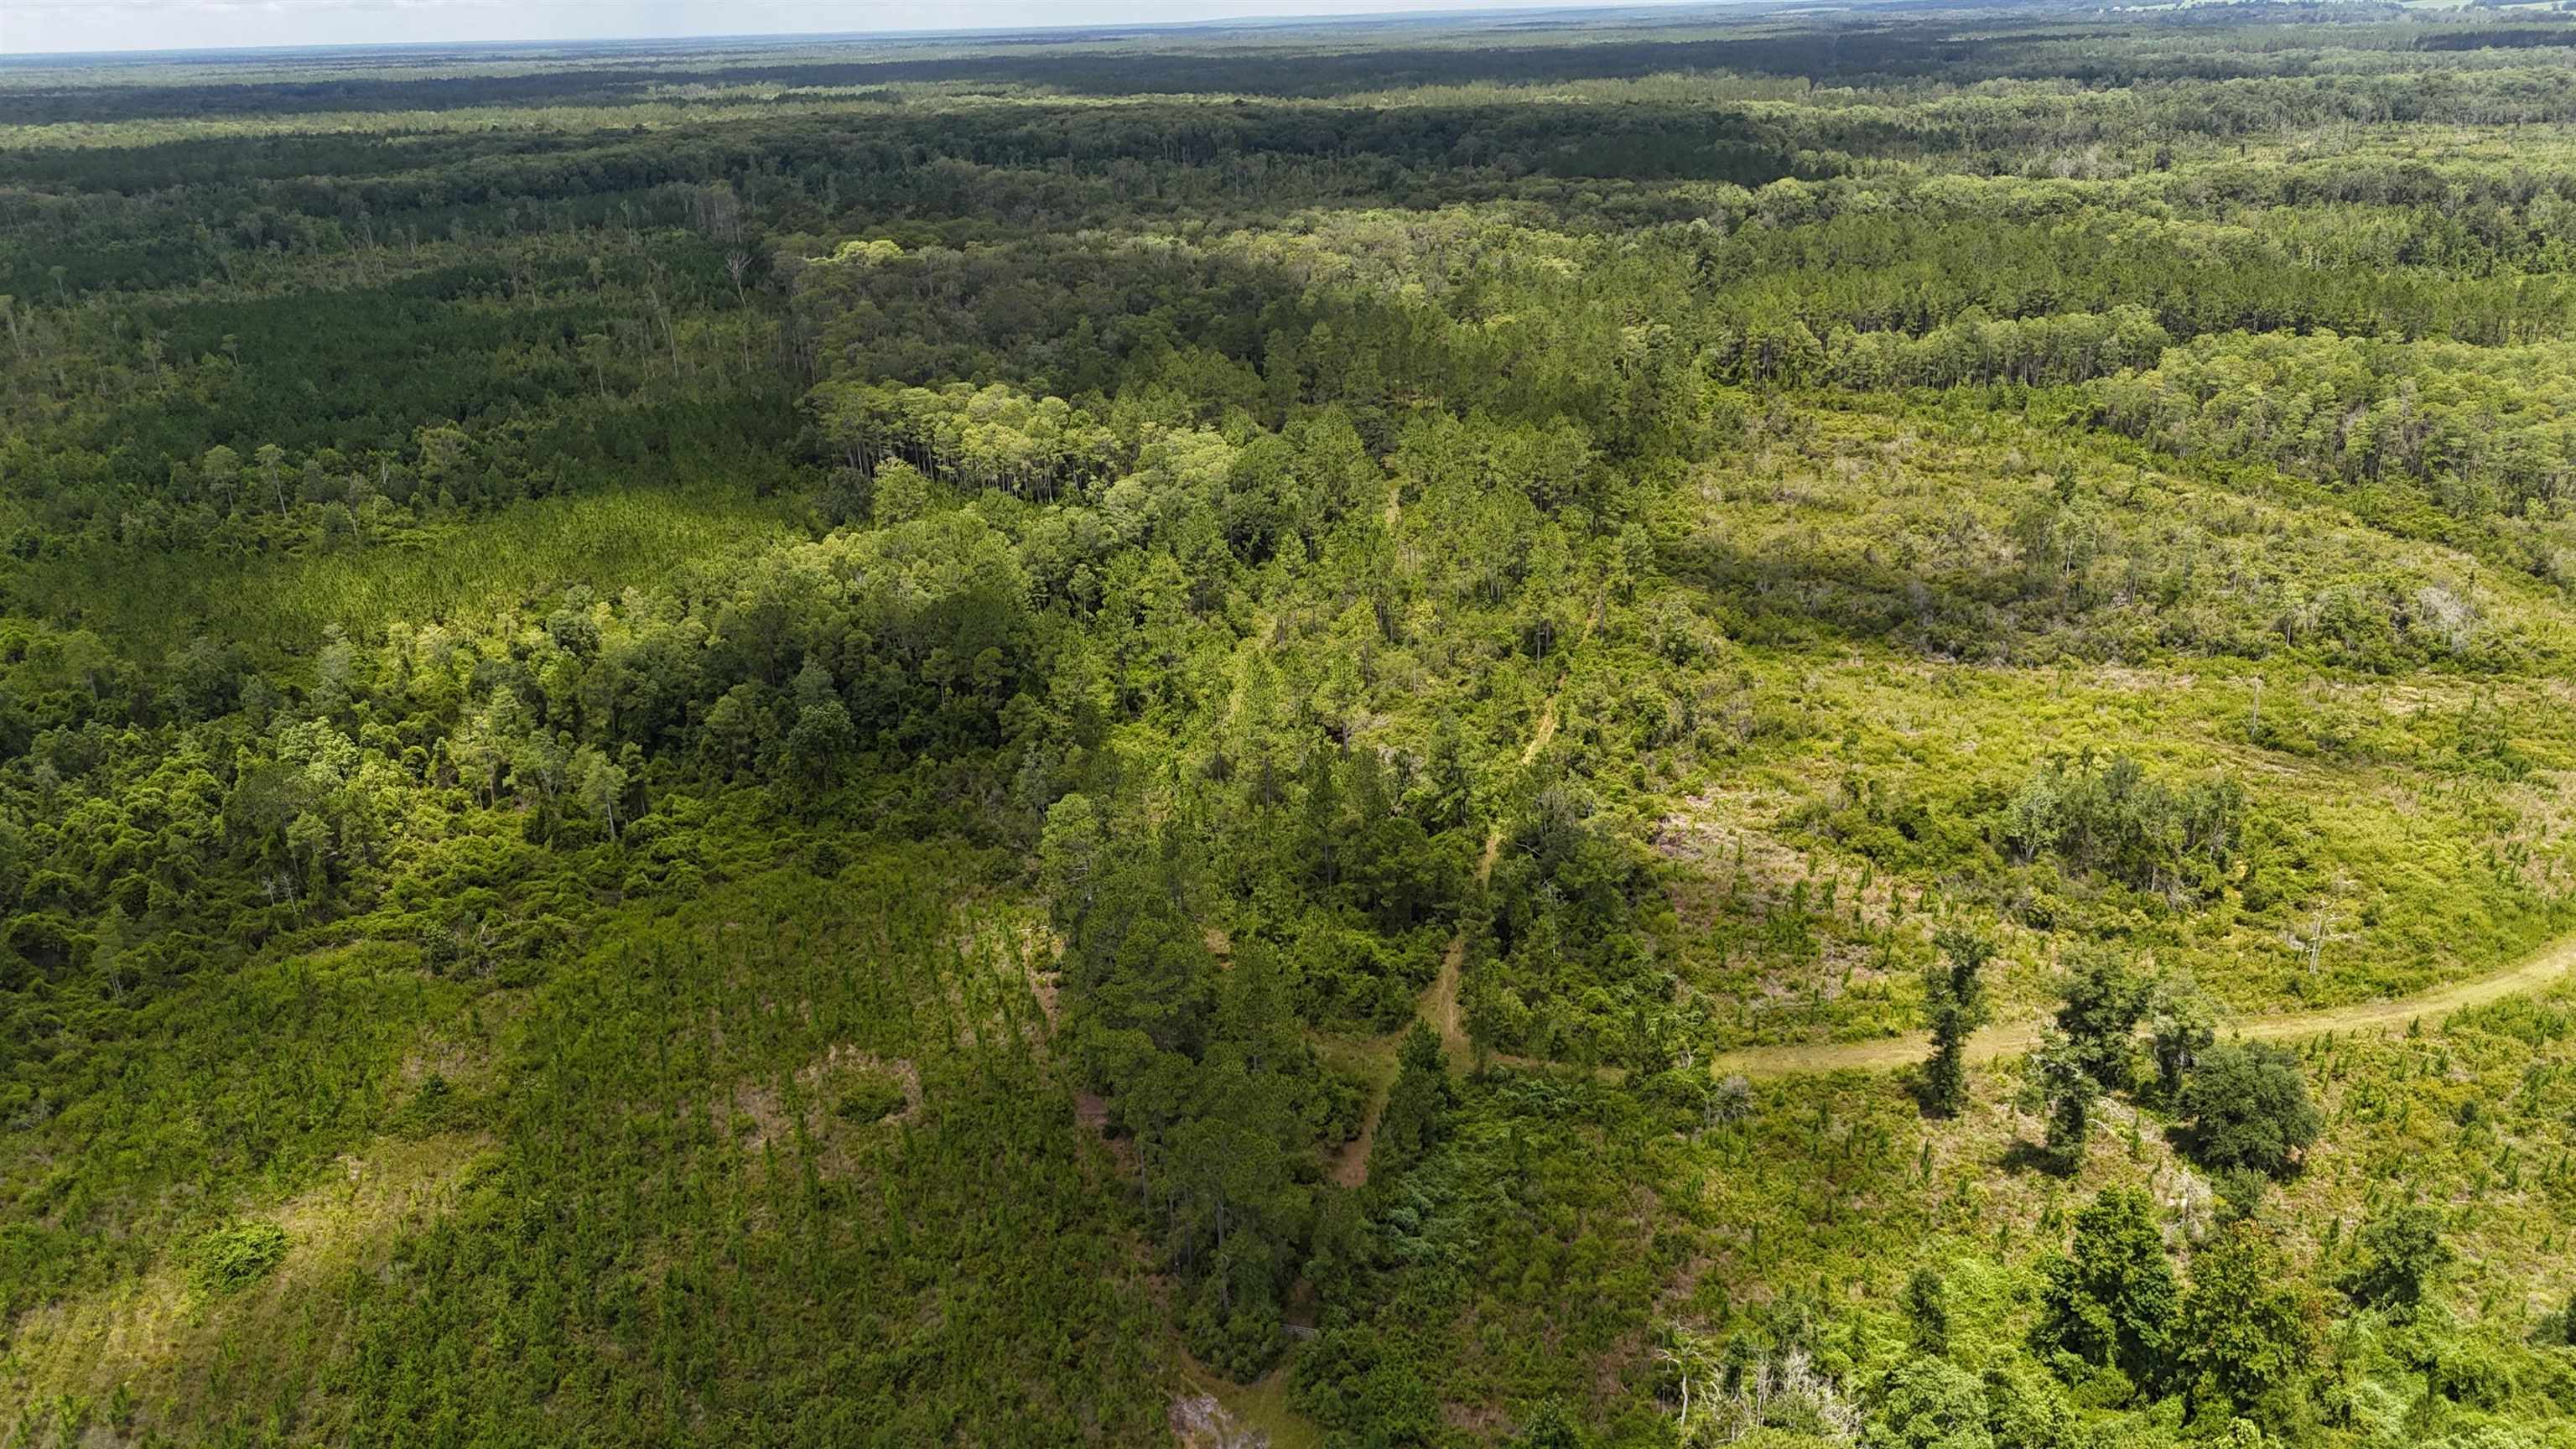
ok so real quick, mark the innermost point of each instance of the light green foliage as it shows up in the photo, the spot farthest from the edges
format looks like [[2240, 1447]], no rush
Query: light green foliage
[[230, 1259], [1928, 1403]]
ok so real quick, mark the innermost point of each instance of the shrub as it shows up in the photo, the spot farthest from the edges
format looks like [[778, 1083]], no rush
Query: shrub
[[872, 1098], [232, 1258], [2401, 1253]]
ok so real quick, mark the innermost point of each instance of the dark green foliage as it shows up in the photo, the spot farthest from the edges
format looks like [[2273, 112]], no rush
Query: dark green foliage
[[872, 1098], [2105, 999], [1954, 994], [1926, 1301], [2111, 1301], [1416, 1106], [2249, 1107], [1562, 908], [2240, 1192], [2181, 1025], [2248, 1330], [2402, 1252], [2108, 817], [2063, 1088]]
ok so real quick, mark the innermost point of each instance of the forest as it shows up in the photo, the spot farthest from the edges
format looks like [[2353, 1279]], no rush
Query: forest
[[1804, 727]]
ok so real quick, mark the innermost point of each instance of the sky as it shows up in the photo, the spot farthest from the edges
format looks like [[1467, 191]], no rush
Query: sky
[[30, 26]]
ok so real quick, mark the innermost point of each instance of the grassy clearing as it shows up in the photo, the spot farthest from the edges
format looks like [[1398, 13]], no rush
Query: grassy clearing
[[165, 1349], [2405, 814]]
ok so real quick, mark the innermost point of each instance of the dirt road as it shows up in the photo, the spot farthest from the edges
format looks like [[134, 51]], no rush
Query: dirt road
[[2539, 969]]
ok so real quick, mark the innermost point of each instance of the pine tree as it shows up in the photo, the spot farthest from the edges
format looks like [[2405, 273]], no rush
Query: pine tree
[[1927, 1311], [1416, 1106], [2066, 1090], [1955, 997]]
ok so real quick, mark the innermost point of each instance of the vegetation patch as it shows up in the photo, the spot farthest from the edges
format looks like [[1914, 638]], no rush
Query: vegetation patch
[[230, 1259]]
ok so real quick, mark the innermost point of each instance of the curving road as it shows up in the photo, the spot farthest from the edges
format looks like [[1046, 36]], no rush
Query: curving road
[[2541, 968]]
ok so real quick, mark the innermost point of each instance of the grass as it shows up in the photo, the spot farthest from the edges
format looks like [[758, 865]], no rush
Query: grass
[[2404, 816], [168, 1347], [1260, 1407]]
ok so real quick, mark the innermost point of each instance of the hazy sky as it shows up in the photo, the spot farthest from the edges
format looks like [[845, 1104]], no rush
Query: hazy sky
[[42, 25]]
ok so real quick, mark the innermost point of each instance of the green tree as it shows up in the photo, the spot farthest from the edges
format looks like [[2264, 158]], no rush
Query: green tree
[[2181, 1024], [2402, 1252], [898, 494], [221, 470], [2104, 1000], [2110, 1301], [1954, 992], [821, 740], [601, 786], [1417, 1106], [272, 462], [1072, 854], [2249, 1331], [1236, 1205], [1139, 977], [108, 952], [1926, 1301], [2065, 1091], [1930, 1403], [1447, 791], [2248, 1106]]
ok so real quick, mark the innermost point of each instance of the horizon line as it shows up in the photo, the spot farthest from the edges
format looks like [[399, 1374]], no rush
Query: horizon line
[[1414, 12]]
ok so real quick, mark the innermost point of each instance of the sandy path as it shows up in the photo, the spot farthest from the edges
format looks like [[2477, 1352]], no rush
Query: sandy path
[[2541, 968], [1439, 1004]]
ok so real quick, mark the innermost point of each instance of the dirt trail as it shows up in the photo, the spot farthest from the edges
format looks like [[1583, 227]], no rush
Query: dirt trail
[[1539, 737], [1348, 1167], [2539, 969], [1439, 1005]]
